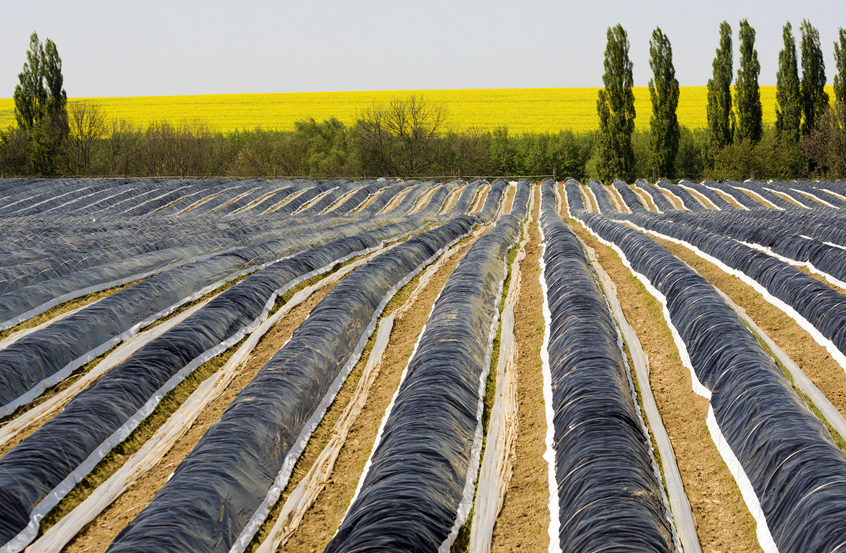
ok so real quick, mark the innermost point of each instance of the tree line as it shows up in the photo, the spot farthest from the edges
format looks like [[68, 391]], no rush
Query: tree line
[[409, 136], [808, 139]]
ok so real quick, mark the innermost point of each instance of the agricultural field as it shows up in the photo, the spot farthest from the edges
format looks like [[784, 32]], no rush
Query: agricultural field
[[522, 110], [339, 366]]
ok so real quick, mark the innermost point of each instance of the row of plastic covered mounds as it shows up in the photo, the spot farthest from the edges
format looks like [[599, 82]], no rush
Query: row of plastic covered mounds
[[424, 464], [217, 489], [609, 495], [788, 462]]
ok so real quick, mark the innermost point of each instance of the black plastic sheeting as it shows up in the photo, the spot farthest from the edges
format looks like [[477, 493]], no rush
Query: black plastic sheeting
[[411, 494], [658, 198], [740, 197], [609, 494], [822, 306], [216, 490], [601, 195], [827, 258], [629, 197], [520, 204], [81, 336], [43, 460], [795, 468], [718, 201], [689, 202]]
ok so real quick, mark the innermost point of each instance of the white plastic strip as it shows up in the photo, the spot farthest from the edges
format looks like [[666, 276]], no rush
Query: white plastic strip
[[673, 195], [700, 197], [814, 197], [549, 439], [727, 197], [761, 200]]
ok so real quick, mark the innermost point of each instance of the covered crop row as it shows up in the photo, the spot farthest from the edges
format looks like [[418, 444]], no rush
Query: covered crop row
[[607, 493], [98, 419], [221, 493], [418, 488], [790, 471]]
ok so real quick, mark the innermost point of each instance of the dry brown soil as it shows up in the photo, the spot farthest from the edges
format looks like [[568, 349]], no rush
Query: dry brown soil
[[522, 525]]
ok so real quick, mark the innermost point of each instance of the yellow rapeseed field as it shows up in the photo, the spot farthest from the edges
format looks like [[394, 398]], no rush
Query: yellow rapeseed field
[[522, 110]]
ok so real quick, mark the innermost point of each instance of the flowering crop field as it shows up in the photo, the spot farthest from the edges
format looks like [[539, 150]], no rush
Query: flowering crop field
[[522, 110]]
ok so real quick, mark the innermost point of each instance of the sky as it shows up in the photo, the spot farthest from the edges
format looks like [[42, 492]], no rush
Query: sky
[[176, 47]]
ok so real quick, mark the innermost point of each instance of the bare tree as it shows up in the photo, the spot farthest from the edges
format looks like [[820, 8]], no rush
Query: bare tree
[[87, 126], [401, 138]]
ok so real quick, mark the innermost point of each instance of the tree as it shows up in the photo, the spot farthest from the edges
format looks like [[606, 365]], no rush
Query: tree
[[400, 138], [749, 115], [840, 71], [788, 98], [814, 96], [87, 125], [39, 93], [664, 92], [40, 105], [616, 110], [720, 114]]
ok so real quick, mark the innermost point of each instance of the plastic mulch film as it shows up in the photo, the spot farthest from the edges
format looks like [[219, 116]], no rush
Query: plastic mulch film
[[791, 473], [719, 202], [827, 197], [658, 198], [774, 238], [687, 199], [384, 199], [491, 206], [609, 489], [601, 195], [520, 204], [629, 197], [823, 308], [221, 493], [738, 196], [761, 191], [43, 358], [37, 473], [418, 486], [410, 200]]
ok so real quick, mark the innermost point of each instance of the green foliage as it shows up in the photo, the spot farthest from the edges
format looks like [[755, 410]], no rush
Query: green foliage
[[720, 114], [691, 159], [840, 70], [771, 158], [788, 97], [814, 96], [664, 92], [615, 107], [749, 114]]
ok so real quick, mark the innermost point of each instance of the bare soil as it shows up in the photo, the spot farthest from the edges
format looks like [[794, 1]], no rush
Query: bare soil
[[672, 198], [523, 523], [479, 202], [616, 199], [645, 199], [451, 200], [587, 196], [396, 201], [507, 200], [702, 199]]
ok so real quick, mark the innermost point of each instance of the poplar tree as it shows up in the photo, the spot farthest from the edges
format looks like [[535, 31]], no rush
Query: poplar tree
[[749, 114], [39, 94], [788, 98], [664, 93], [616, 110], [814, 96], [720, 114]]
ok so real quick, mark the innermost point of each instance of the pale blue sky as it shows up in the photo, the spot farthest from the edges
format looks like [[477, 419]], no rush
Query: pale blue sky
[[158, 47]]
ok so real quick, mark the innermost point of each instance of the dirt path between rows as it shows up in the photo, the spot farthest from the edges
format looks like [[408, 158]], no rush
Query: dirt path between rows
[[102, 530], [522, 525], [723, 523], [479, 203], [325, 515], [645, 198], [813, 359]]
